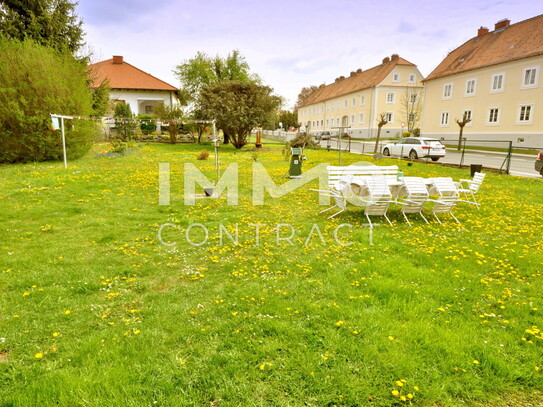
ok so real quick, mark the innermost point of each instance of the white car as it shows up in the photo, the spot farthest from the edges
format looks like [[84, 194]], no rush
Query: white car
[[416, 147]]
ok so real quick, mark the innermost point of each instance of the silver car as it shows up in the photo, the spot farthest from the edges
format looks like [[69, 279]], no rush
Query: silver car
[[416, 147]]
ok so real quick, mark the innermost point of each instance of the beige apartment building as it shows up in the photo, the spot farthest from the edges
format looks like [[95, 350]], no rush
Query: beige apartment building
[[493, 80], [392, 88]]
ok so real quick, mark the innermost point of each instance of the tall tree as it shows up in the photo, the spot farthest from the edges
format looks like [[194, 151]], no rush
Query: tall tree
[[303, 95], [197, 73], [202, 70], [238, 107], [53, 23]]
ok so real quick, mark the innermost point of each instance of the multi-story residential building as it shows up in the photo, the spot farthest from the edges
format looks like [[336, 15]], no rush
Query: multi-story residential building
[[392, 88], [493, 80]]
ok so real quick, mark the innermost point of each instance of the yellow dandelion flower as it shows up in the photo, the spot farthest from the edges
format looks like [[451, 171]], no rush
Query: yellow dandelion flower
[[395, 393], [399, 383], [475, 362], [38, 355], [403, 398], [55, 334], [67, 312]]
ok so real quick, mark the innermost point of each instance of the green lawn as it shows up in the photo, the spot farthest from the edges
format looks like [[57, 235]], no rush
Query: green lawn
[[95, 311]]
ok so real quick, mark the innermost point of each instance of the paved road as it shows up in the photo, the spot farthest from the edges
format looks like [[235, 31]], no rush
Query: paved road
[[521, 164]]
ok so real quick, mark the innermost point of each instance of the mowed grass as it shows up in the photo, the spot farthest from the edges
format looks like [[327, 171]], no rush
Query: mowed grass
[[95, 311]]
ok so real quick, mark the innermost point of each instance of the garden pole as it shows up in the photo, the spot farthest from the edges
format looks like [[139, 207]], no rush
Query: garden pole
[[216, 143]]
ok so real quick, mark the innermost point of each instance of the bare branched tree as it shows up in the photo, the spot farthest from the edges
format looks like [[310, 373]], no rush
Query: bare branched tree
[[465, 120], [381, 121], [411, 107]]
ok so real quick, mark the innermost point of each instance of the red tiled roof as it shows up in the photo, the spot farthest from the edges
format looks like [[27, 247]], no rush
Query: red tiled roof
[[357, 81], [509, 43], [122, 75]]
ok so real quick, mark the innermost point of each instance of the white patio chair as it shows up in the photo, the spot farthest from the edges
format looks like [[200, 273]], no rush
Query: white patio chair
[[375, 194], [340, 193], [470, 187], [447, 194], [416, 195]]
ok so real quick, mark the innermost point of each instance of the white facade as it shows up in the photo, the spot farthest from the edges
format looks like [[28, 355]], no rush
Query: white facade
[[143, 101]]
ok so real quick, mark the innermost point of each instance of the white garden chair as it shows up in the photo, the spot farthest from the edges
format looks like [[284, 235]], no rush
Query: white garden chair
[[416, 195], [375, 195], [447, 194], [340, 193], [470, 187]]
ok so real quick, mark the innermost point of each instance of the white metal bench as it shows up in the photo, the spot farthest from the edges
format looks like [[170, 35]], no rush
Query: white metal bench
[[337, 174]]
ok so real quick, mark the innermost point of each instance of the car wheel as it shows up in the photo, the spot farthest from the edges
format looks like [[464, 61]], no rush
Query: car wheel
[[435, 158], [386, 152], [413, 155]]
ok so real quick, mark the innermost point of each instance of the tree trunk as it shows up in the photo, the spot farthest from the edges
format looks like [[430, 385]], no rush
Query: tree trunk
[[379, 127], [460, 137], [227, 138]]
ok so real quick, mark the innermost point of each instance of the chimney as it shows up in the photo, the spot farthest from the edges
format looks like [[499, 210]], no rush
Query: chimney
[[353, 73], [482, 31], [394, 57], [386, 60], [117, 60], [359, 70], [502, 24]]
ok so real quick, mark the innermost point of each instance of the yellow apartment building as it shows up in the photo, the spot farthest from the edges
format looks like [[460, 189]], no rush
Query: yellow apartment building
[[392, 88], [493, 80]]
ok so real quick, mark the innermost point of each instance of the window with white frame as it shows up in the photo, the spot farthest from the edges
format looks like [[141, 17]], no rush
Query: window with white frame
[[530, 77], [362, 100], [525, 113], [413, 98], [444, 119], [412, 78], [396, 77], [327, 122], [337, 121], [361, 118], [470, 87], [494, 115], [354, 102], [352, 119], [389, 116], [390, 97], [467, 115], [447, 91], [345, 104], [498, 82]]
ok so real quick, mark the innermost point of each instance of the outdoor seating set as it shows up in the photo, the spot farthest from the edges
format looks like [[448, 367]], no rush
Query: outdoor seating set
[[375, 188]]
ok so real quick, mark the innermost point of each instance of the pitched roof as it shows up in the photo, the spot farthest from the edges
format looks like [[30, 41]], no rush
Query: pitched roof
[[122, 75], [357, 81], [506, 43]]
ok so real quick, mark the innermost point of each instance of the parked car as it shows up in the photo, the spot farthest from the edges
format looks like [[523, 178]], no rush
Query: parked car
[[416, 147], [539, 163], [325, 135]]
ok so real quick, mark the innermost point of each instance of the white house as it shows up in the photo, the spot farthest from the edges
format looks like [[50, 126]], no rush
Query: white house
[[142, 91]]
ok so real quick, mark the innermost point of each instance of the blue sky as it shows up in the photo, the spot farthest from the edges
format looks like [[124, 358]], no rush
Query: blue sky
[[290, 44]]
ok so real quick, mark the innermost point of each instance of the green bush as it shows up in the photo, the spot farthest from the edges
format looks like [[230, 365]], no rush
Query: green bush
[[35, 82]]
